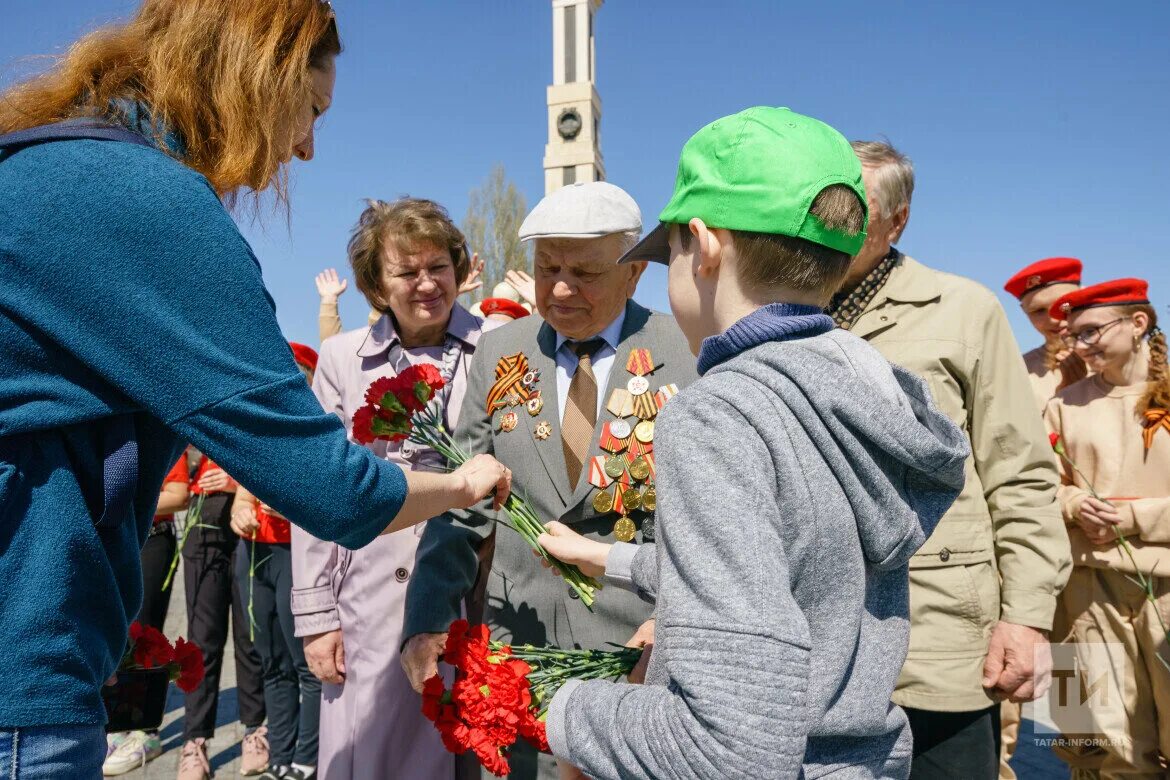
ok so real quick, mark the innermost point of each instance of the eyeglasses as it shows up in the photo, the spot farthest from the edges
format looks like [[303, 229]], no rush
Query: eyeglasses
[[1090, 335]]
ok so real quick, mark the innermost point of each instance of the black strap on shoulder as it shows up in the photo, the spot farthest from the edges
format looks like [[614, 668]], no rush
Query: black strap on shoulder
[[69, 130]]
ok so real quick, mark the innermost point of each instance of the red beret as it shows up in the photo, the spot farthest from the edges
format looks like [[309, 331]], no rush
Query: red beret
[[502, 306], [1052, 270], [304, 355], [1119, 292]]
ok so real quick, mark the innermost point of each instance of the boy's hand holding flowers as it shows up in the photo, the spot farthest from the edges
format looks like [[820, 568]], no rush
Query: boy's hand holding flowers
[[565, 544]]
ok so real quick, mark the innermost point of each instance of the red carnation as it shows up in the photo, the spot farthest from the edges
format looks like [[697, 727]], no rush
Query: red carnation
[[151, 648], [363, 425], [187, 668], [1057, 444]]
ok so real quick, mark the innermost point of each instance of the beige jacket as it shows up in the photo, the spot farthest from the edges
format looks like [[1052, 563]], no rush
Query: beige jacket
[[1001, 552]]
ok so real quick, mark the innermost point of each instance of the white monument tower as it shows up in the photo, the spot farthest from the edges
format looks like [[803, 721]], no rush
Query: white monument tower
[[573, 152]]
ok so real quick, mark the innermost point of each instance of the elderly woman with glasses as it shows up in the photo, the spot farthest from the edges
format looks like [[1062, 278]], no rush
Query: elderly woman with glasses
[[409, 261]]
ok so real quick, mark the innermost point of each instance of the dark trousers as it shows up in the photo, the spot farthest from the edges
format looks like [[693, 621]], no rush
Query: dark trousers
[[212, 596], [955, 744], [156, 561], [292, 695]]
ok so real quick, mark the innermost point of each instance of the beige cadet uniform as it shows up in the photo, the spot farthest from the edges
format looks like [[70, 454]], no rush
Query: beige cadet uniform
[[1047, 381], [1102, 435], [1001, 552]]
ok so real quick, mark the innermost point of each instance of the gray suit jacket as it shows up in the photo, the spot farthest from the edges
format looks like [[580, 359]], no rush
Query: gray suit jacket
[[525, 602]]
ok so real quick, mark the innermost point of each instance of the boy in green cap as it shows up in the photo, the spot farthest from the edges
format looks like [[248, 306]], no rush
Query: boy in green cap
[[794, 480]]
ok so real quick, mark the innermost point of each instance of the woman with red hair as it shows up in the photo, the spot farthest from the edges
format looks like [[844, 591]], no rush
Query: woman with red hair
[[115, 166]]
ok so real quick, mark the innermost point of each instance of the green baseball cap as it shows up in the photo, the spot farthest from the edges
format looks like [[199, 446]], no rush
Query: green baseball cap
[[759, 171]]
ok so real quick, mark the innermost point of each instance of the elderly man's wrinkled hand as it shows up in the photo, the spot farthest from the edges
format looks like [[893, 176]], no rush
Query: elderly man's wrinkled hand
[[1019, 663]]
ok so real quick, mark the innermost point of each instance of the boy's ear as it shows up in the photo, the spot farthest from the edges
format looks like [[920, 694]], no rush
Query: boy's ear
[[709, 248]]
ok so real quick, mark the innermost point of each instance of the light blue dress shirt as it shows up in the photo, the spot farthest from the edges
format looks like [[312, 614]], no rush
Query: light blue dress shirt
[[602, 363]]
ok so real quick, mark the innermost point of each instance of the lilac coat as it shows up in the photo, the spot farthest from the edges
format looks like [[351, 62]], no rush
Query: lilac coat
[[372, 725]]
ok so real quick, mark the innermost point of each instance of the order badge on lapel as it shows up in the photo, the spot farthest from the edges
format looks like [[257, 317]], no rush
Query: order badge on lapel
[[543, 430]]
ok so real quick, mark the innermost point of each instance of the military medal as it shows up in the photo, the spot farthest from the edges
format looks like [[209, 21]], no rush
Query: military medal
[[615, 466], [631, 499], [618, 506], [597, 476], [645, 406], [543, 430], [535, 404], [640, 469], [530, 378], [638, 385], [603, 502], [649, 499], [620, 429], [644, 431], [611, 442], [508, 422], [624, 529], [639, 363], [664, 394], [621, 403], [637, 449]]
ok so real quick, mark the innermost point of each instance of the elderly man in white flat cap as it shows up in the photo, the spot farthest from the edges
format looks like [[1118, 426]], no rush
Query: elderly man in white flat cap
[[568, 403]]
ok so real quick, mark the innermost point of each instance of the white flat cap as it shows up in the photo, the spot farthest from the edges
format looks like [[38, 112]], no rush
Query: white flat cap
[[584, 210]]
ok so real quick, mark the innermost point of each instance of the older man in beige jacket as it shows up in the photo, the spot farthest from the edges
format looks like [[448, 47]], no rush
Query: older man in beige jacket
[[983, 589]]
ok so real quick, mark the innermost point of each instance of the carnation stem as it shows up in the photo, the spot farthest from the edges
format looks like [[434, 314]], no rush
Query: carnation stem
[[428, 430], [192, 521]]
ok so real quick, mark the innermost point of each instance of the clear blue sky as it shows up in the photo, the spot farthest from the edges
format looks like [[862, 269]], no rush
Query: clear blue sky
[[1037, 128]]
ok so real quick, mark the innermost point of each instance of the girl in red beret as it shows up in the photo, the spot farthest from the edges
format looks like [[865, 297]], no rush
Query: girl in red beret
[[1051, 366], [1114, 425]]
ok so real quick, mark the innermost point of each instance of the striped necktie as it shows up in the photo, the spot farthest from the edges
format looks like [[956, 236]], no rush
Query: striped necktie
[[580, 410]]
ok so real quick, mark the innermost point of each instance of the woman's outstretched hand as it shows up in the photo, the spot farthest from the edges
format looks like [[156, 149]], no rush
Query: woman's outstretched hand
[[480, 476], [568, 546]]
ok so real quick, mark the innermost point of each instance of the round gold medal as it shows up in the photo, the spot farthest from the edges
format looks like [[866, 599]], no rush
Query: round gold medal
[[615, 466], [649, 499], [639, 469], [624, 530], [603, 502], [631, 498], [644, 431]]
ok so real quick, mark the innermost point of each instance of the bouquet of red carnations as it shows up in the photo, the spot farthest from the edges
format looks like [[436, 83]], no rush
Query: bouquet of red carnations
[[149, 649], [501, 693], [136, 699], [399, 408]]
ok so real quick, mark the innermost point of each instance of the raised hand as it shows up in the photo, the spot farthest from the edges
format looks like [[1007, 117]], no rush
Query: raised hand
[[522, 283], [330, 286], [472, 282]]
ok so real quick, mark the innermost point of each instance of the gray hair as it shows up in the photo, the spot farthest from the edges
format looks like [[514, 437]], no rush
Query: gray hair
[[630, 239], [893, 181]]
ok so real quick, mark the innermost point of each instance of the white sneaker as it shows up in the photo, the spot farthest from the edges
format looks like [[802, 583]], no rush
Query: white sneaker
[[133, 752]]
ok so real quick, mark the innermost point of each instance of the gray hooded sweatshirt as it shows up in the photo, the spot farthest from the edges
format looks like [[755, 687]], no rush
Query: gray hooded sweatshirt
[[795, 479]]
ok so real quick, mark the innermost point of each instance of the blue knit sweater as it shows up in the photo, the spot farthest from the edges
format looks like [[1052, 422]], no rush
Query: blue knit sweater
[[127, 288]]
